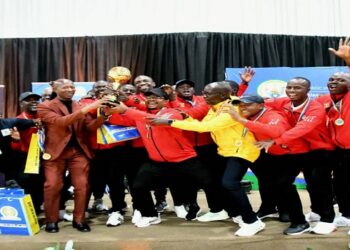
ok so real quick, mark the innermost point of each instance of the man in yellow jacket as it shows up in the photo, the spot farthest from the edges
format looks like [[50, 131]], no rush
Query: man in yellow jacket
[[235, 146]]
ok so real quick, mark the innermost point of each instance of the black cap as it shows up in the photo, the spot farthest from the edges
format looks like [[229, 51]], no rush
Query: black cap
[[183, 81], [25, 95], [251, 99], [158, 92]]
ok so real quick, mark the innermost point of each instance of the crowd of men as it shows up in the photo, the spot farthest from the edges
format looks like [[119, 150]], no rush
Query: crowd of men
[[187, 142]]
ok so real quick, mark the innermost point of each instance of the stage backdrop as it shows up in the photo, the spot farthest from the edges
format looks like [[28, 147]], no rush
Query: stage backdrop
[[2, 100], [271, 82], [81, 88]]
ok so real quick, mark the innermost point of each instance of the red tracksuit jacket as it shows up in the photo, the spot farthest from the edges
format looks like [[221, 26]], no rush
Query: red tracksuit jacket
[[272, 125], [26, 135], [340, 134], [311, 127], [163, 143], [197, 139]]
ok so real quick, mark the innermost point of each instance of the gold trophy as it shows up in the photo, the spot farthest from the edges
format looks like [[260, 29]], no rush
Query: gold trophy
[[118, 75]]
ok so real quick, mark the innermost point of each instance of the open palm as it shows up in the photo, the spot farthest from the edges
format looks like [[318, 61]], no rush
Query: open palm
[[343, 50]]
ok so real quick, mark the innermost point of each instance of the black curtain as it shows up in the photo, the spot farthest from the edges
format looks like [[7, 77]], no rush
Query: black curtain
[[201, 57]]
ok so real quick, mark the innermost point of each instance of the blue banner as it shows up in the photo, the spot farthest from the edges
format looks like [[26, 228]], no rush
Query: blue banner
[[271, 82]]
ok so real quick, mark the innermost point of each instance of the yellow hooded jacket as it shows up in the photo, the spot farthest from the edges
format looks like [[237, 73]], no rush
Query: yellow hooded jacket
[[226, 133]]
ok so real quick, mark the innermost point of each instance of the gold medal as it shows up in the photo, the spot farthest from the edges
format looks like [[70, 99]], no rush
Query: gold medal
[[46, 156], [238, 143], [339, 122]]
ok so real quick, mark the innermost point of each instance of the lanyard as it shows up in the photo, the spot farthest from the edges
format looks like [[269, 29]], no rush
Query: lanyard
[[304, 110], [245, 130], [339, 121], [338, 109]]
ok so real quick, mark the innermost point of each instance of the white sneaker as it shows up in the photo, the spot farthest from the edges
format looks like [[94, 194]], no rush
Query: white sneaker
[[147, 221], [115, 219], [323, 228], [250, 229], [136, 217], [341, 221], [65, 216], [265, 216], [222, 215], [180, 211], [238, 220], [98, 206], [312, 217]]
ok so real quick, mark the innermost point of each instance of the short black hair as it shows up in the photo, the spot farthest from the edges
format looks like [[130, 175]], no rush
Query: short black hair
[[308, 82]]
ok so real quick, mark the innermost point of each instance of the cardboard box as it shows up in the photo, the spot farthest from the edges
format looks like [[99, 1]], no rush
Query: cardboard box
[[17, 214]]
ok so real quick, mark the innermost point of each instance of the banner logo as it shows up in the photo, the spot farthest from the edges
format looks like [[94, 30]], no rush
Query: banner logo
[[272, 89], [9, 213]]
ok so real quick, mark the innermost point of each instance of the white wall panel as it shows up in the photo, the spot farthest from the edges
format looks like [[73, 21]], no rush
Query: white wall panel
[[56, 18]]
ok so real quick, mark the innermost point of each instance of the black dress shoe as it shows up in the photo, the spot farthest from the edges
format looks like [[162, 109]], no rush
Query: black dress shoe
[[82, 226], [52, 227]]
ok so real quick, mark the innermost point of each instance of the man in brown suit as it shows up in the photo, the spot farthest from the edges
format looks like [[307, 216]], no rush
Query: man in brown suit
[[65, 148]]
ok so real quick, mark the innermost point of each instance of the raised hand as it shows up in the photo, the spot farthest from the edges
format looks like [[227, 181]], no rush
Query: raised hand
[[343, 50], [247, 75]]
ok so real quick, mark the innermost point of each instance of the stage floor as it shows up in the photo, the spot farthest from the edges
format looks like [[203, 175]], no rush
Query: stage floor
[[175, 233]]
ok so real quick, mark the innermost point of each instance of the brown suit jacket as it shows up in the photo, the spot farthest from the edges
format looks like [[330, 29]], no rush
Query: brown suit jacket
[[59, 126]]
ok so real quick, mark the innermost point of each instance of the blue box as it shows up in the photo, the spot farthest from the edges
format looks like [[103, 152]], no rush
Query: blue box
[[17, 213]]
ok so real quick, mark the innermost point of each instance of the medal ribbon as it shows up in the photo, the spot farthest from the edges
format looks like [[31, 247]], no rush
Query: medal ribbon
[[304, 110], [245, 130], [340, 106]]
